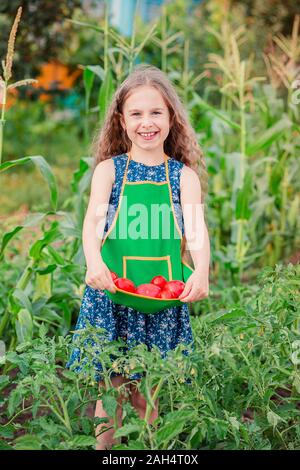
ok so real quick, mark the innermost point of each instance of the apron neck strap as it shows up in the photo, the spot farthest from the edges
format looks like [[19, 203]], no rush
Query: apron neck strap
[[165, 160]]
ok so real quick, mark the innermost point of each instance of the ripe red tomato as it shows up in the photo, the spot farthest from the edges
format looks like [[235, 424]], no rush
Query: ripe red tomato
[[149, 290], [175, 286], [113, 275], [125, 284], [167, 294], [159, 281]]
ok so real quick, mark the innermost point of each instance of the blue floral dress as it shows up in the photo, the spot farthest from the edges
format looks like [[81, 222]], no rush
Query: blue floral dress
[[167, 328]]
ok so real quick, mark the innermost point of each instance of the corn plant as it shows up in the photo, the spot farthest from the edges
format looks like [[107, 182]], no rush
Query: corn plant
[[283, 64], [238, 142], [237, 84], [128, 51], [29, 297], [5, 86]]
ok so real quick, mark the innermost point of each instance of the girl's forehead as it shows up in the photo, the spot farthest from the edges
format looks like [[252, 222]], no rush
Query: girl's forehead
[[144, 97]]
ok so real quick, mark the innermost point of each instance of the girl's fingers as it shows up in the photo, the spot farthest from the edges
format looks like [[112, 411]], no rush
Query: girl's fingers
[[110, 284], [98, 286], [189, 297], [187, 289], [193, 296]]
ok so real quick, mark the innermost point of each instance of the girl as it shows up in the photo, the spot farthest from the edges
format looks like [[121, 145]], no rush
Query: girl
[[146, 137]]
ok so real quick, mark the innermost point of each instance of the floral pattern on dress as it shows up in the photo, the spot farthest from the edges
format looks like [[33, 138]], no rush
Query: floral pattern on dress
[[165, 329]]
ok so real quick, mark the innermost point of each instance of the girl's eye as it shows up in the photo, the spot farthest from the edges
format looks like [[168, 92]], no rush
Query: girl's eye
[[155, 112]]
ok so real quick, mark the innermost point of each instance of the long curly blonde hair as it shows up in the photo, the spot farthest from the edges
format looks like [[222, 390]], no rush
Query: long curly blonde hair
[[181, 144]]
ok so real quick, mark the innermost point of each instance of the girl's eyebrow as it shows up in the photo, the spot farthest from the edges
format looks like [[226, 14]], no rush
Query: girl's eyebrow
[[130, 110]]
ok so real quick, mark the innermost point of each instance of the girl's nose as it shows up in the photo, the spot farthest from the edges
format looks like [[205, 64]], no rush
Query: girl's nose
[[147, 124], [147, 120]]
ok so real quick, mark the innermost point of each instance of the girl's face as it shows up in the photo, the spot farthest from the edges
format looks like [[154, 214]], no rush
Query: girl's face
[[145, 111]]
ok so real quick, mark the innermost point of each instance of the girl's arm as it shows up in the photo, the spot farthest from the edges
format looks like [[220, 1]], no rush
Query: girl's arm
[[94, 221], [194, 224]]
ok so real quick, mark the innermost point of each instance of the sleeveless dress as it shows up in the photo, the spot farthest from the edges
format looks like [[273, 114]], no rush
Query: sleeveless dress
[[165, 329]]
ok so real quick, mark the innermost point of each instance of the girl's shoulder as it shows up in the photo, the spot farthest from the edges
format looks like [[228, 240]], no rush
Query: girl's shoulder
[[188, 178]]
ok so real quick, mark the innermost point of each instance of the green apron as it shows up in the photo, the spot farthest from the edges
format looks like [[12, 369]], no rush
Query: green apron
[[138, 255]]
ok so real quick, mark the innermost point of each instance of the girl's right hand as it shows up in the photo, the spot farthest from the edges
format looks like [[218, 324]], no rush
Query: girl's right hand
[[99, 277]]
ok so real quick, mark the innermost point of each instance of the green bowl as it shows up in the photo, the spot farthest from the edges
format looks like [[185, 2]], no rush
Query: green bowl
[[147, 304], [140, 302]]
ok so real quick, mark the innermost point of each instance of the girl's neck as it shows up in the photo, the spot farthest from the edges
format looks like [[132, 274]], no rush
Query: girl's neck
[[149, 159]]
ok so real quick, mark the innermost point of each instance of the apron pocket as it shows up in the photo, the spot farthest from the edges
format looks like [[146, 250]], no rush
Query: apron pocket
[[142, 269]]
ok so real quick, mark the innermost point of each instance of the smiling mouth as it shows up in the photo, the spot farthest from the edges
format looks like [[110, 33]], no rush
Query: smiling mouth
[[148, 135]]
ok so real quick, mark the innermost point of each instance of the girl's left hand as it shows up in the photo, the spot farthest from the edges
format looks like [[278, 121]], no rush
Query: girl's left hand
[[196, 287]]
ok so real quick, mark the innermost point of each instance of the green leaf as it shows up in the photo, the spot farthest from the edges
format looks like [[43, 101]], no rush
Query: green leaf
[[296, 383], [215, 112], [88, 25], [4, 380], [277, 174], [59, 260], [135, 445], [242, 206], [223, 314], [48, 426], [169, 431], [5, 446], [127, 429], [109, 404], [15, 398], [234, 422], [30, 221], [97, 70], [82, 441], [49, 236], [7, 431], [295, 357], [198, 435], [44, 168], [105, 94], [265, 140], [28, 442], [183, 414], [42, 286], [86, 424], [88, 80], [23, 346], [78, 176], [47, 270], [7, 237], [274, 418], [24, 326], [22, 297]]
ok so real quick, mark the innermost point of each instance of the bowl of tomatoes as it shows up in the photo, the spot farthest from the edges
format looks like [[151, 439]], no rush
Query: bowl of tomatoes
[[151, 297]]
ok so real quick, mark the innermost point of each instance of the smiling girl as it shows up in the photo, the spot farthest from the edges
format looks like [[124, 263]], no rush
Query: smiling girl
[[148, 151]]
